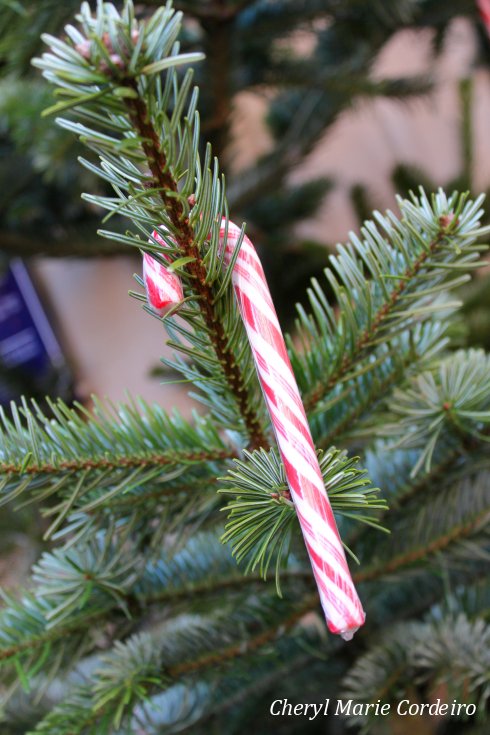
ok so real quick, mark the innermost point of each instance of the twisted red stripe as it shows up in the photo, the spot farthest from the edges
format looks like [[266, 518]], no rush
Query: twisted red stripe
[[163, 288]]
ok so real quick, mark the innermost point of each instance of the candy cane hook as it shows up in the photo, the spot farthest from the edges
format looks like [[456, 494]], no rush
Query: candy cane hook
[[338, 596]]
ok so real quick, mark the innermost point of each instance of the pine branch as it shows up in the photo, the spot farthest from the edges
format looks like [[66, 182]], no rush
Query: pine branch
[[453, 444], [261, 513], [408, 267], [232, 696], [452, 652], [454, 459], [452, 528], [130, 673], [308, 603], [100, 463], [86, 459], [82, 589], [75, 628], [395, 475], [416, 595], [453, 401], [186, 241], [156, 125], [357, 405]]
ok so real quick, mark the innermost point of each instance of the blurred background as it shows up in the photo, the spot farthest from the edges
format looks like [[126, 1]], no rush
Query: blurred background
[[318, 111]]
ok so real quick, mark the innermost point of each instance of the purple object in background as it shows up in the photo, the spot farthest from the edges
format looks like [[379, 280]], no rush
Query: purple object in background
[[27, 341]]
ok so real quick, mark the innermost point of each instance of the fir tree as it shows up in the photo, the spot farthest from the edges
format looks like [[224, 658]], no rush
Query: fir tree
[[156, 609], [250, 46]]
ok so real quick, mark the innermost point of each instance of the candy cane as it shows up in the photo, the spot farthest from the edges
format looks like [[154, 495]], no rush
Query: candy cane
[[484, 9], [163, 288], [338, 596]]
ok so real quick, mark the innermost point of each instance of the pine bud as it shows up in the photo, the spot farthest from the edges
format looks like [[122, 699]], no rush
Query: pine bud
[[117, 61], [84, 48], [446, 220], [106, 40]]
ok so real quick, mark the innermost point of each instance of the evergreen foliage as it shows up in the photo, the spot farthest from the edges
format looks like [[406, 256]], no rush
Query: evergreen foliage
[[476, 294], [150, 612], [250, 46]]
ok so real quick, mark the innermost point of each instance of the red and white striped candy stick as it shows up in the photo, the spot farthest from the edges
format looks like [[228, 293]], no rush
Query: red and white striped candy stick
[[163, 288], [484, 8], [339, 599]]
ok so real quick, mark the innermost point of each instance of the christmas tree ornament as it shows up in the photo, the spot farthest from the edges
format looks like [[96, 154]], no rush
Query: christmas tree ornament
[[338, 596]]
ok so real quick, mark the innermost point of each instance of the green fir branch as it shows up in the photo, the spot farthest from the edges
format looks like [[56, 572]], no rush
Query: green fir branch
[[452, 400], [143, 665], [355, 406], [86, 459], [84, 588], [384, 284], [261, 513], [450, 529], [415, 658], [145, 130]]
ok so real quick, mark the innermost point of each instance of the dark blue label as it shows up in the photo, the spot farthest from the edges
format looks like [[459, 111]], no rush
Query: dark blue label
[[27, 342]]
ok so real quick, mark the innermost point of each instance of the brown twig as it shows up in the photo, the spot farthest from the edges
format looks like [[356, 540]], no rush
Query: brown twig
[[185, 240], [104, 463]]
